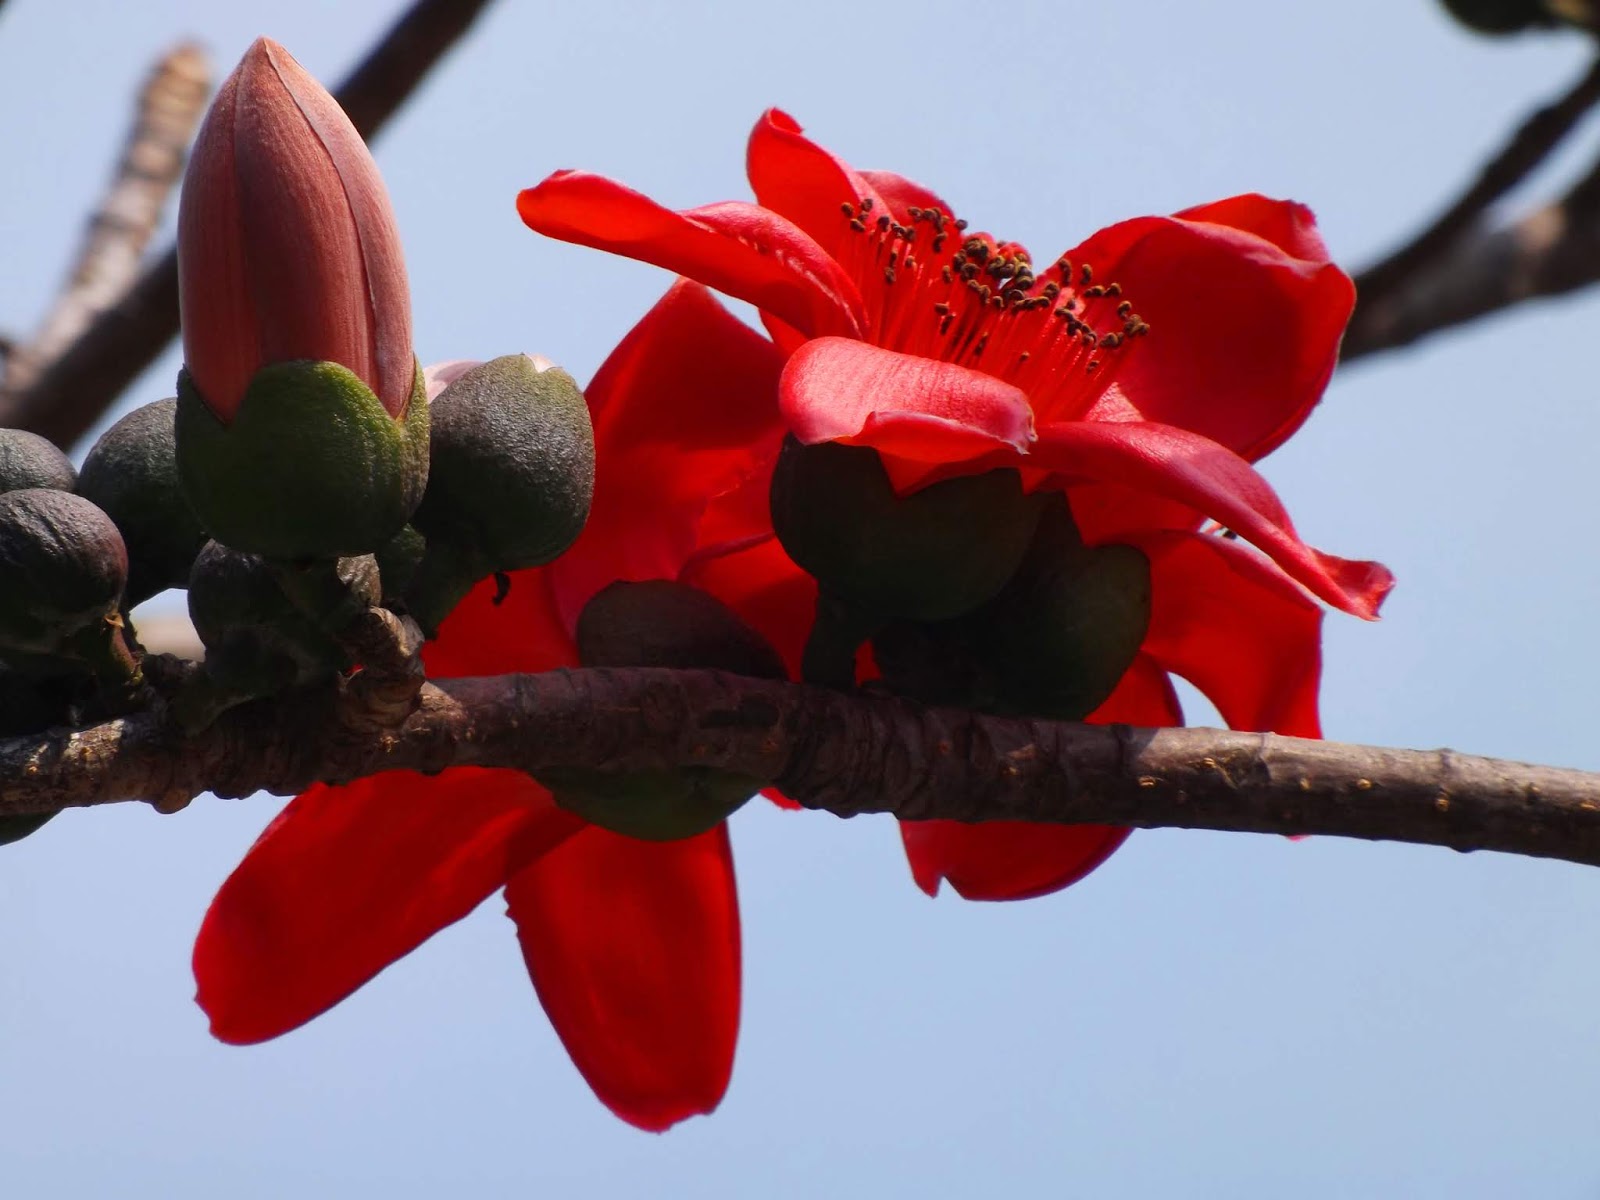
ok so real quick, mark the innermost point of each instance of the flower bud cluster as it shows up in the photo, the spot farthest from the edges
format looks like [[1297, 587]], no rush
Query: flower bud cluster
[[297, 450]]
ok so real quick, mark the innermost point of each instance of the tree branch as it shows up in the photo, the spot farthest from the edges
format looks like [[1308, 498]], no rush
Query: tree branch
[[1550, 251], [170, 104], [77, 388], [845, 754], [1529, 146]]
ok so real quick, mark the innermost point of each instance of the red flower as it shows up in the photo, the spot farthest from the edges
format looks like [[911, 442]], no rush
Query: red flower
[[1142, 372], [632, 946]]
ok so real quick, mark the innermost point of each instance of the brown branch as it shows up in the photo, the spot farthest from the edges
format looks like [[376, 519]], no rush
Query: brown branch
[[840, 753], [1553, 250], [69, 396], [1529, 146], [170, 104]]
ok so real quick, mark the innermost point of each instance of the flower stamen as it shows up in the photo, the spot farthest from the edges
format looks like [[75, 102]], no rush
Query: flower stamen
[[1060, 338]]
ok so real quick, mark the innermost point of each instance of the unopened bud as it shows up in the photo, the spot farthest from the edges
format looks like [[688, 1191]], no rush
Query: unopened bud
[[132, 474], [30, 461], [302, 424], [62, 569], [287, 244], [511, 474]]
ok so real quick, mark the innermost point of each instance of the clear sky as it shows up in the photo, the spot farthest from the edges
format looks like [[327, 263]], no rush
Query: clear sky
[[1207, 1015]]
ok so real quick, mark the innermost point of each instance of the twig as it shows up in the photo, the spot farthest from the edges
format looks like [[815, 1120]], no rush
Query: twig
[[845, 754], [1528, 147], [70, 395], [170, 104], [1553, 250]]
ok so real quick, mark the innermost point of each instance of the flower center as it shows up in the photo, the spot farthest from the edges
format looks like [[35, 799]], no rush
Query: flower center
[[1060, 337]]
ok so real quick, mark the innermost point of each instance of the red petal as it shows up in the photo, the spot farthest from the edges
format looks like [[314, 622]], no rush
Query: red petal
[[741, 249], [686, 415], [520, 632], [1238, 629], [763, 585], [902, 194], [836, 389], [634, 950], [1177, 465], [1016, 860], [1290, 227], [1245, 323], [349, 879], [1110, 512], [799, 180]]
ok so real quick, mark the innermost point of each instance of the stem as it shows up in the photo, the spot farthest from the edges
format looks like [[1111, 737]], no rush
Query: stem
[[845, 754]]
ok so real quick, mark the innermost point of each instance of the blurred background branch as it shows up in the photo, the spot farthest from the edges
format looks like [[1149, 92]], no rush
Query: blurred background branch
[[170, 104]]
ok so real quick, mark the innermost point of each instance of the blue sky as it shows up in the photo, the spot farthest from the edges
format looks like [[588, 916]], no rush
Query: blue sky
[[1208, 1015]]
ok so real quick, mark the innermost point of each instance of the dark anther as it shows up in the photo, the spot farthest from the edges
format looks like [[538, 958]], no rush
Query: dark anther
[[502, 587]]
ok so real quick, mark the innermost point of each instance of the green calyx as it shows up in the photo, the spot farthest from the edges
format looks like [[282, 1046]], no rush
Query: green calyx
[[132, 474], [62, 570], [1054, 643], [268, 627], [397, 562], [312, 466], [662, 624], [928, 556], [510, 478], [653, 806]]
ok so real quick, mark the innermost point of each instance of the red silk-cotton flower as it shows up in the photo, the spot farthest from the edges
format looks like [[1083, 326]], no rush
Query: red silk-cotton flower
[[632, 946], [1137, 376]]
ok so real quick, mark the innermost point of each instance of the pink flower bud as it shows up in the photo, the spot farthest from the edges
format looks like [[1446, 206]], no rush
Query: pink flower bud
[[287, 245]]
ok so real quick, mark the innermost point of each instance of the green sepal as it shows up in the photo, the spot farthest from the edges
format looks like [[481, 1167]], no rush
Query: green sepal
[[1054, 643], [929, 556], [511, 471], [312, 465], [132, 473], [441, 579], [398, 561], [259, 641], [653, 806], [660, 623], [837, 633], [663, 623]]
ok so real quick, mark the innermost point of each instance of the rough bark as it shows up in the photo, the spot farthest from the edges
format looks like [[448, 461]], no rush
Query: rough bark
[[844, 754]]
